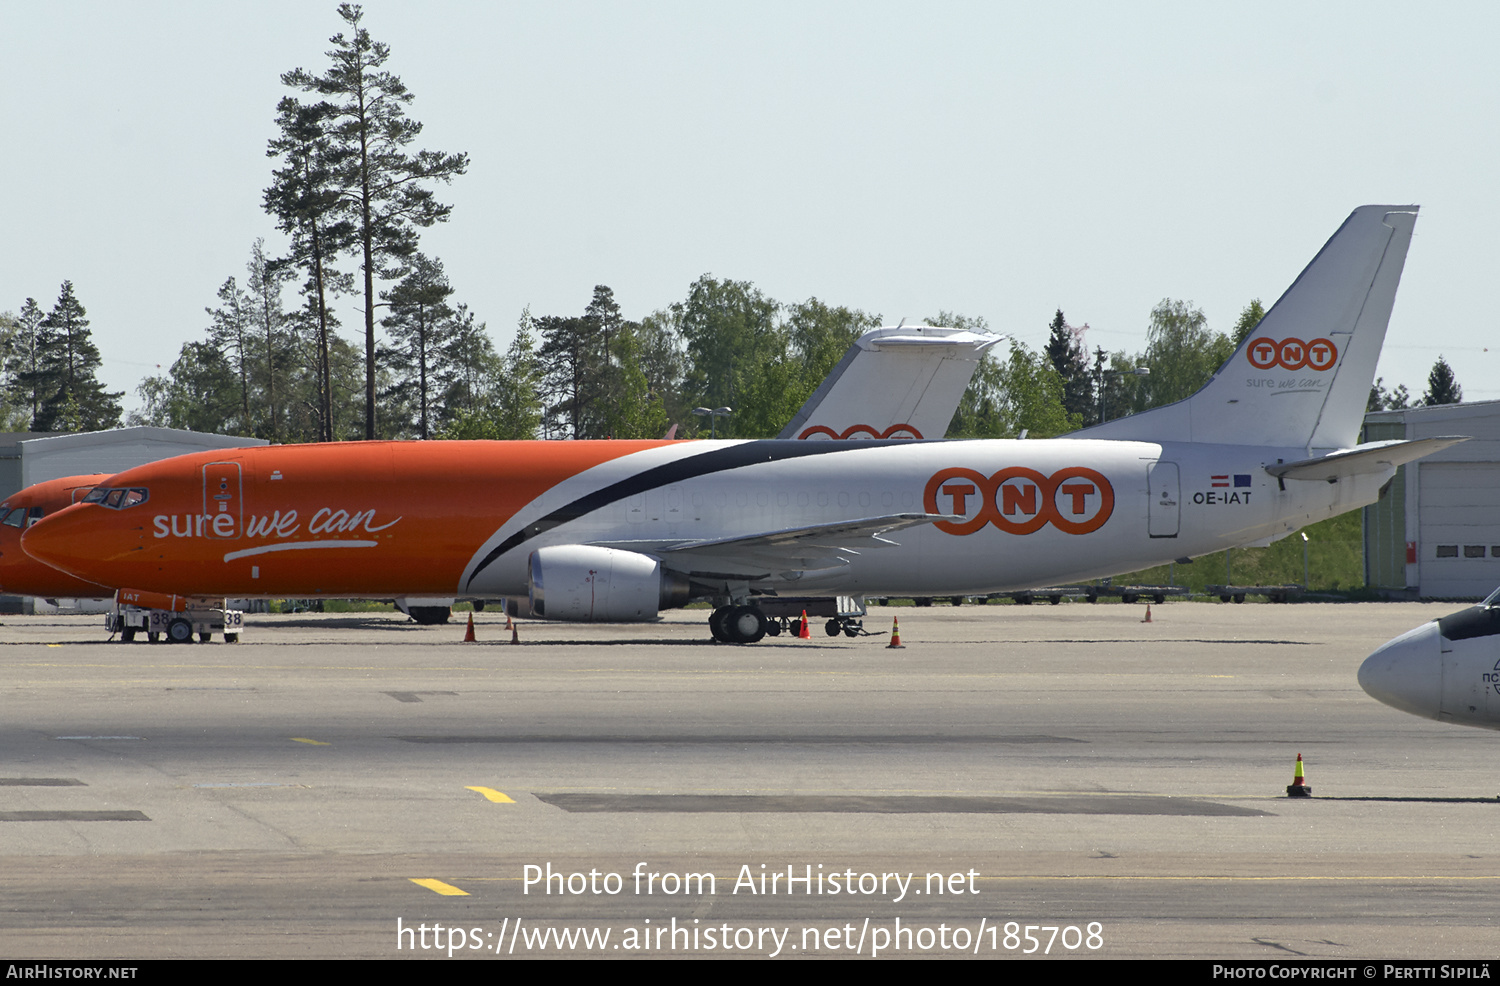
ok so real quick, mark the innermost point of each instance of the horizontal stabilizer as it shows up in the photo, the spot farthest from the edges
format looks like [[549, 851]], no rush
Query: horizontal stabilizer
[[1362, 460]]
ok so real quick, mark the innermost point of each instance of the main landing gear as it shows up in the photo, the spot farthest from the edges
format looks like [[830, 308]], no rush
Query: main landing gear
[[737, 624]]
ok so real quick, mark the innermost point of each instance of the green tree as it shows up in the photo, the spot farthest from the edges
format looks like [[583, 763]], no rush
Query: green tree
[[1182, 353], [1380, 400], [384, 187], [23, 360], [273, 362], [1248, 320], [1066, 353], [305, 196], [230, 331], [419, 325], [505, 401], [1442, 386], [735, 350], [199, 393], [1023, 393], [73, 398]]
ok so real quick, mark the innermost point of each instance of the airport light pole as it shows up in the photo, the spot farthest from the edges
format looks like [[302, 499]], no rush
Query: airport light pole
[[713, 418]]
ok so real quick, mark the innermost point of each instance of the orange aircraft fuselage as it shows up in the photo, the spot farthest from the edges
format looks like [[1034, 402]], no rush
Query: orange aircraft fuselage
[[249, 522], [22, 575]]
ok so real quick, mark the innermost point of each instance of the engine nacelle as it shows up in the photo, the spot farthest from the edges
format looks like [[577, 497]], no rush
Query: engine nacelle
[[590, 584]]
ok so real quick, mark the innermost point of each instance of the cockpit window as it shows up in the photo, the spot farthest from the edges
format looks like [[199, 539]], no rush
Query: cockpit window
[[118, 499], [15, 518], [1492, 601], [36, 514]]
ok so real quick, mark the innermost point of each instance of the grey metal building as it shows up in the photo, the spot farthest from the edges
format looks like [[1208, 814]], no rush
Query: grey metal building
[[1435, 534]]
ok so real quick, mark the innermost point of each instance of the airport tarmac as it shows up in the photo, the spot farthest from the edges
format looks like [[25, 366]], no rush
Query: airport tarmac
[[1067, 767]]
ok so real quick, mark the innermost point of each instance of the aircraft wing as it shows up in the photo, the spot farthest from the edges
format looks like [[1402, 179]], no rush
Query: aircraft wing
[[792, 549], [1361, 460]]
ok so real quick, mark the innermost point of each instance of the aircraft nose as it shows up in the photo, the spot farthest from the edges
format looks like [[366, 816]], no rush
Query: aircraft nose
[[1407, 673]]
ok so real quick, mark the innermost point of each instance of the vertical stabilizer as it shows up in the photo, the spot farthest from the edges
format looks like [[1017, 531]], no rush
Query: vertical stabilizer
[[902, 382], [1302, 377]]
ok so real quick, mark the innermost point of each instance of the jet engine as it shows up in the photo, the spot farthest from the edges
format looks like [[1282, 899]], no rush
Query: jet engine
[[590, 584]]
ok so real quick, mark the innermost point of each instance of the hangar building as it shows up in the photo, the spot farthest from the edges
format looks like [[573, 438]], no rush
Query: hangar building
[[1435, 534]]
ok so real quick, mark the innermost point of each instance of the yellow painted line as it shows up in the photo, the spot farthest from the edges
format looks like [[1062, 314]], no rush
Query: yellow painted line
[[309, 742], [499, 797], [439, 887]]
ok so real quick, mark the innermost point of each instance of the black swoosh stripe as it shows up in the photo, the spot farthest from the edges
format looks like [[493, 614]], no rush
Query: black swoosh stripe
[[719, 460]]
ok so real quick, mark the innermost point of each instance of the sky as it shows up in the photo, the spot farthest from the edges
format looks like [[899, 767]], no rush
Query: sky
[[994, 159]]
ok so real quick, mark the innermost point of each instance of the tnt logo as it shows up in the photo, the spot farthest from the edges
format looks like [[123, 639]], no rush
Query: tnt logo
[[1292, 354], [862, 431], [1018, 500]]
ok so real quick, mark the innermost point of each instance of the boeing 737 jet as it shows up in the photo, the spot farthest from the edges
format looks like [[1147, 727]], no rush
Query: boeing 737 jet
[[619, 530], [900, 382], [1448, 670]]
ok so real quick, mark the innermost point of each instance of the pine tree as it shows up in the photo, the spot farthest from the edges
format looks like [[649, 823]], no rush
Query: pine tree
[[73, 399], [305, 199], [420, 325], [1071, 362], [383, 187], [23, 360], [1442, 386]]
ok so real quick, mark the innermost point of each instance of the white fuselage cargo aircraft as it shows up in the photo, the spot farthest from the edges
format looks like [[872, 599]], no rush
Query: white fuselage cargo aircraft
[[619, 530], [1448, 670]]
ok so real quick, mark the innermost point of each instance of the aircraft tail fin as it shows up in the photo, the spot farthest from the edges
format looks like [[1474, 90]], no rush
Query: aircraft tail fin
[[902, 382], [1302, 377]]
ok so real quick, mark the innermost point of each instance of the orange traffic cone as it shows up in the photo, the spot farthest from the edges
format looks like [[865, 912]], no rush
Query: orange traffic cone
[[1148, 614], [1298, 788], [508, 624], [802, 631], [895, 643], [469, 633]]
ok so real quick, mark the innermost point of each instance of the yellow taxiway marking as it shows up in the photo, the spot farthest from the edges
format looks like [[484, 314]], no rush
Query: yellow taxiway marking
[[309, 742], [499, 797], [439, 887]]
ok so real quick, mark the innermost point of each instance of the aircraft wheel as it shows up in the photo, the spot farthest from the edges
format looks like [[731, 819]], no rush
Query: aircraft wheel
[[179, 631], [745, 625], [832, 628], [717, 621]]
